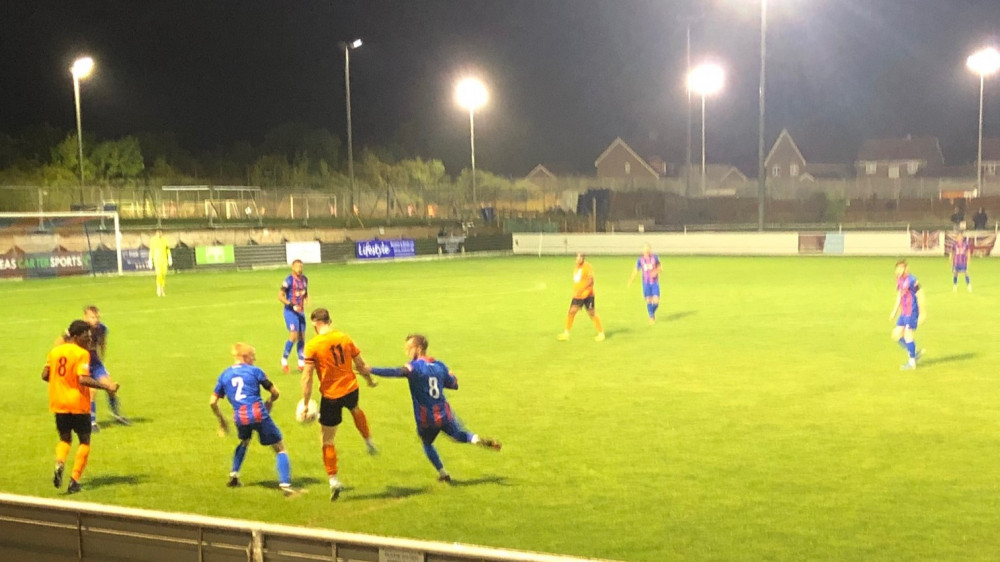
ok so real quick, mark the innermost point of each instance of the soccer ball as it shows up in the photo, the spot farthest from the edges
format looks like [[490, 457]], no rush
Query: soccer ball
[[306, 414]]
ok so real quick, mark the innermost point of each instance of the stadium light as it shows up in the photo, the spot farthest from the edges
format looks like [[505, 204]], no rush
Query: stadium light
[[984, 62], [81, 69], [470, 93], [705, 80], [348, 47]]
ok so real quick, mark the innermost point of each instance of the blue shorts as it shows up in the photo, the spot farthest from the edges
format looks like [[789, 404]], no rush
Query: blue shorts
[[295, 321], [451, 427], [963, 268], [908, 321], [267, 432], [650, 290], [99, 371]]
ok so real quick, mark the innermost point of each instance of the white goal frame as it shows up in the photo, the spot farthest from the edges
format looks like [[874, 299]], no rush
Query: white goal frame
[[83, 215]]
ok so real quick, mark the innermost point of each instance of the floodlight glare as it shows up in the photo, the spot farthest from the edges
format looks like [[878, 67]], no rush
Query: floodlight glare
[[706, 79], [984, 62], [356, 43], [471, 94], [82, 67]]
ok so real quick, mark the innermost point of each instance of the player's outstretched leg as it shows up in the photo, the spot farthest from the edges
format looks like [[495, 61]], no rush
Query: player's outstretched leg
[[62, 453], [238, 455], [361, 423], [432, 455], [94, 428], [79, 464]]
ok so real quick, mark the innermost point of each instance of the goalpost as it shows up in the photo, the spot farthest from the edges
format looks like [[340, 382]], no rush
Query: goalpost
[[46, 244]]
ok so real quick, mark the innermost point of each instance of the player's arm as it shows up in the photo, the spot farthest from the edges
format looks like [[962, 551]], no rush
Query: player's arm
[[87, 380], [451, 381], [922, 306], [273, 390], [45, 373], [895, 307], [283, 294], [392, 372], [213, 403], [364, 370]]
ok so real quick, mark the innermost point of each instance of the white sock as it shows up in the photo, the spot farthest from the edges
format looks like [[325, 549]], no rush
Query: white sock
[[475, 439], [334, 481]]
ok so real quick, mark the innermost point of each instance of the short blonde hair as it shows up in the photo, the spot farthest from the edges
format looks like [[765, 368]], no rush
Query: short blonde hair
[[243, 351]]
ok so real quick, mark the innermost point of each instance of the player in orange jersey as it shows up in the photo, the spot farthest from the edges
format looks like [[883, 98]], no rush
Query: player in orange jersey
[[330, 354], [583, 296], [67, 372]]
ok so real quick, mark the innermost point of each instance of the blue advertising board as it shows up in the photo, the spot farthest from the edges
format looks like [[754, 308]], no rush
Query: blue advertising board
[[135, 260], [385, 249]]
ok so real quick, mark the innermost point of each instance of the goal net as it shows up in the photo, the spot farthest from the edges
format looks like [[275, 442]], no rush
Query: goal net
[[38, 245]]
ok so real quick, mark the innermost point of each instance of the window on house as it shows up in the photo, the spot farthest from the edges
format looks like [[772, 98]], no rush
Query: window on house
[[894, 171], [990, 168], [912, 167], [871, 168], [776, 171], [628, 168], [793, 170]]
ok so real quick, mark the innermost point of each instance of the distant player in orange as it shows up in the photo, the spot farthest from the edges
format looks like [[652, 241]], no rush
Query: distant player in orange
[[583, 296], [330, 354], [67, 371]]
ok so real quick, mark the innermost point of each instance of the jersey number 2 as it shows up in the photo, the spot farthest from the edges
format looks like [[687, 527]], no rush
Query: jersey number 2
[[238, 383]]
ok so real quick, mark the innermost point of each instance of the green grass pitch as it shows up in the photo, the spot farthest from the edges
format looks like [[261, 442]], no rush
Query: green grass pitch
[[764, 417]]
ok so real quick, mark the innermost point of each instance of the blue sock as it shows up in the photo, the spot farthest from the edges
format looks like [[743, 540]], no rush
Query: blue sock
[[432, 455], [655, 306], [241, 451], [954, 279], [114, 404], [93, 411], [911, 348], [288, 348], [967, 280], [284, 468], [902, 343], [649, 309], [299, 346]]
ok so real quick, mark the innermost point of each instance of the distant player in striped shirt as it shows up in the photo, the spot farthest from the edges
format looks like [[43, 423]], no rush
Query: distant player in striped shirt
[[961, 252], [294, 294], [241, 384], [428, 379], [649, 264], [909, 305]]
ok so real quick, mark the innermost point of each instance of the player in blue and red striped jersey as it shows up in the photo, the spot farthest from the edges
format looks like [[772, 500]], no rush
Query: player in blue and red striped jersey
[[428, 379], [649, 264], [98, 349], [909, 304], [294, 294], [241, 384], [961, 251]]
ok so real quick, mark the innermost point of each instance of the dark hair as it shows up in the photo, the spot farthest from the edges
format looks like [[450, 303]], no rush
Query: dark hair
[[296, 261], [419, 340], [77, 328], [320, 315], [91, 308], [900, 262]]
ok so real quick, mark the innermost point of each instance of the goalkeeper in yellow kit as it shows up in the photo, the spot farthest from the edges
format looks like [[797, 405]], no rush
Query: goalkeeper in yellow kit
[[159, 260]]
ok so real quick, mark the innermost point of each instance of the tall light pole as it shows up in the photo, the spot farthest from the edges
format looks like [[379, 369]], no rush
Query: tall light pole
[[705, 80], [761, 172], [470, 93], [81, 69], [984, 62], [348, 47]]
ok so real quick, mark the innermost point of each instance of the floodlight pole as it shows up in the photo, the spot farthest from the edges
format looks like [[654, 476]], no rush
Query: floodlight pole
[[472, 144], [979, 155], [79, 131], [350, 139], [687, 112], [761, 172]]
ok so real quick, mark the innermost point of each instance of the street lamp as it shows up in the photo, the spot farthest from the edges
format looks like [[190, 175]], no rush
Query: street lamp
[[81, 68], [705, 80], [761, 172], [471, 94], [984, 62], [348, 47]]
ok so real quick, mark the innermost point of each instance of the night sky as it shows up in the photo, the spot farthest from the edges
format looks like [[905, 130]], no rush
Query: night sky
[[565, 76]]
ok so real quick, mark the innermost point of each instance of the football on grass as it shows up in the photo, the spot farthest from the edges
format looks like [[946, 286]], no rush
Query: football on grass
[[306, 413]]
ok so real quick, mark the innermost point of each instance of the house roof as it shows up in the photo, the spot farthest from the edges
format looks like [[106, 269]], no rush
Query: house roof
[[906, 148], [541, 170], [788, 138], [714, 173], [618, 142], [833, 171]]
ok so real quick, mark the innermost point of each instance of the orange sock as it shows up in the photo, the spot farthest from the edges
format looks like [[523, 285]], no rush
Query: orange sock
[[80, 463], [330, 459], [597, 323], [62, 451], [361, 422], [569, 322]]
